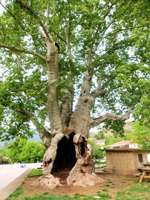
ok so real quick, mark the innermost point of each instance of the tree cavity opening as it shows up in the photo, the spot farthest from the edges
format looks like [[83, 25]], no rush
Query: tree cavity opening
[[66, 156]]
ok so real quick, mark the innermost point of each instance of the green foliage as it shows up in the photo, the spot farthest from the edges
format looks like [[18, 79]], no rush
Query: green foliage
[[24, 151], [15, 149], [99, 135], [96, 150], [97, 162], [4, 149], [116, 127], [112, 139], [32, 152], [142, 110], [140, 135], [137, 191], [128, 135], [109, 39], [104, 196]]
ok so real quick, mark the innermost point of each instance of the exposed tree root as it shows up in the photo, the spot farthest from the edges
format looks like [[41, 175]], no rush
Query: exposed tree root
[[80, 179], [48, 181], [85, 180]]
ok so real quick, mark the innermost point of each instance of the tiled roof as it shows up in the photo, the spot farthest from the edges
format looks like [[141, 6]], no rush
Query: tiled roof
[[121, 143]]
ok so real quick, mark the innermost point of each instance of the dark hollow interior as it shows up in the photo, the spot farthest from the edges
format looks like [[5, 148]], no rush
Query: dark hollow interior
[[65, 159]]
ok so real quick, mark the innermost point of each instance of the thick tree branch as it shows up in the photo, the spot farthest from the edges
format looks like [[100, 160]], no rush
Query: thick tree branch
[[22, 51], [109, 80], [99, 91], [112, 116]]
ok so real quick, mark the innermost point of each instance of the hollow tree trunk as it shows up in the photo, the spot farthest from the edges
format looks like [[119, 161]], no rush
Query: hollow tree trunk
[[70, 151], [71, 154], [83, 172]]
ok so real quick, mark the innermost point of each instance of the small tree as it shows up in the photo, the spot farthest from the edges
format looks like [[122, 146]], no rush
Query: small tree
[[140, 135], [112, 139], [25, 151], [15, 149], [96, 150], [32, 152]]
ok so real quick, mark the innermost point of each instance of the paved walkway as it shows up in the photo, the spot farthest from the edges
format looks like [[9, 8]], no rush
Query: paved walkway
[[10, 179]]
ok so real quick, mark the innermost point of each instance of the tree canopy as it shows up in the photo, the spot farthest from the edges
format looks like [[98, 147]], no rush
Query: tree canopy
[[103, 62]]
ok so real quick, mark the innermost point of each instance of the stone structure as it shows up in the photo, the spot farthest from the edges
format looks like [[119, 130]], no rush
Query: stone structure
[[126, 161]]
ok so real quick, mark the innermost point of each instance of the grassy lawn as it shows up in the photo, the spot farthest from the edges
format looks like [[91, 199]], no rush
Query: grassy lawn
[[17, 192], [135, 192], [122, 188], [35, 172], [48, 196]]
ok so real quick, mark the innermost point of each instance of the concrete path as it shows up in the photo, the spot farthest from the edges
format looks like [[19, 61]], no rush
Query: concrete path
[[9, 175], [12, 176], [10, 179]]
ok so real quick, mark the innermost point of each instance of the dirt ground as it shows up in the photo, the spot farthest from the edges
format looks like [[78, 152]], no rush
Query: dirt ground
[[113, 183]]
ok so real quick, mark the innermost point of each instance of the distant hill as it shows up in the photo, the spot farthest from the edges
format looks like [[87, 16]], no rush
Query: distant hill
[[35, 138]]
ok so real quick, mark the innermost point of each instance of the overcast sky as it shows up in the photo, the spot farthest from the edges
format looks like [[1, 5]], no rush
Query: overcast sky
[[1, 8]]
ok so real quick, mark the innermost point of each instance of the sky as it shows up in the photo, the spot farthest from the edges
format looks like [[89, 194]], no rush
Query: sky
[[1, 8]]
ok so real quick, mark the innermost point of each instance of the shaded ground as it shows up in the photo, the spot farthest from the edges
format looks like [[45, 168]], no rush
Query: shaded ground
[[113, 184]]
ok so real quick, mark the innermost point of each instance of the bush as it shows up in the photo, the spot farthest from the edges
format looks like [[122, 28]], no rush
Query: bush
[[97, 153], [25, 151]]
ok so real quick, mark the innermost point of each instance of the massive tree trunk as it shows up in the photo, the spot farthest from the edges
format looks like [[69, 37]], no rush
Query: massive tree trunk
[[68, 148], [70, 153]]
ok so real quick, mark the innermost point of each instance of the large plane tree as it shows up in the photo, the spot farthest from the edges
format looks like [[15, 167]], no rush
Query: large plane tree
[[68, 66]]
